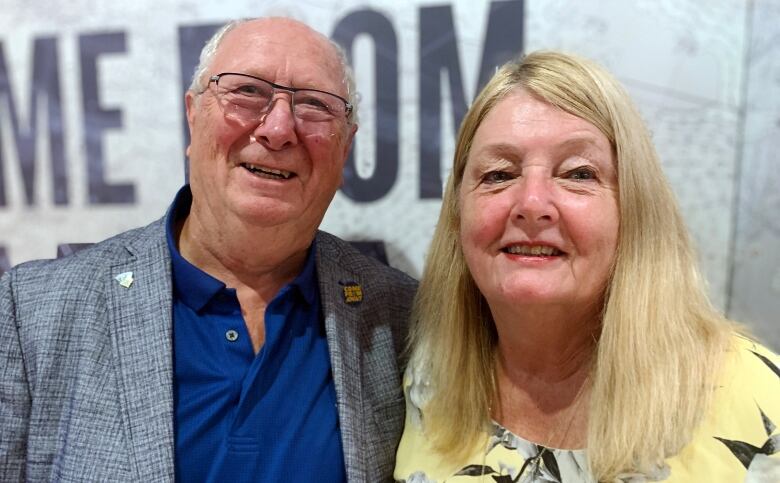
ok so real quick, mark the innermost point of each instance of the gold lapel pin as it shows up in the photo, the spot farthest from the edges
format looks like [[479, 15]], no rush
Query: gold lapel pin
[[125, 279], [353, 292]]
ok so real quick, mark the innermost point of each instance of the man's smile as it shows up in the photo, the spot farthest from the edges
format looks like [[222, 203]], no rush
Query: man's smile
[[265, 172]]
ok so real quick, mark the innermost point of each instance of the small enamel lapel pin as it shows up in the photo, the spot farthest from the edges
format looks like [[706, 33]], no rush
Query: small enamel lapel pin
[[125, 279], [353, 292]]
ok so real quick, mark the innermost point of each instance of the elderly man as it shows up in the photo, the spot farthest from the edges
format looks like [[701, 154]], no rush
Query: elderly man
[[230, 340]]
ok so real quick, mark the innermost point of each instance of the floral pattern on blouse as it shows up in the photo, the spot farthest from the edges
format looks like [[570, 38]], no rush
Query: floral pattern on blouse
[[756, 460], [739, 442]]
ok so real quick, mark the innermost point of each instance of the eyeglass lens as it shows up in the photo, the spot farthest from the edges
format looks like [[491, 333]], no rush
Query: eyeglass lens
[[249, 98]]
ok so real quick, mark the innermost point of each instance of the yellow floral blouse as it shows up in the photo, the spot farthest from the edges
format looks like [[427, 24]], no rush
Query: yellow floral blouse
[[739, 441]]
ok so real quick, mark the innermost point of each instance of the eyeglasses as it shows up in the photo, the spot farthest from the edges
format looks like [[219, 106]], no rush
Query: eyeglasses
[[249, 98]]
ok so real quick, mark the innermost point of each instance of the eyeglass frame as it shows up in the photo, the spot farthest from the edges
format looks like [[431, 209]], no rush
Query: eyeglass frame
[[348, 107]]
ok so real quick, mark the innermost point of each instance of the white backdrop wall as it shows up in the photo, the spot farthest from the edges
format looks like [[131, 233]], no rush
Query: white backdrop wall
[[92, 137]]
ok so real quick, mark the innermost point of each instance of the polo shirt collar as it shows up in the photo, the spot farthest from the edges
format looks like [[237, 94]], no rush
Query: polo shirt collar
[[195, 287]]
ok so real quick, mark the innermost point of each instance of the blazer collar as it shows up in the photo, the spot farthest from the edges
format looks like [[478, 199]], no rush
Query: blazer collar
[[342, 314], [141, 321]]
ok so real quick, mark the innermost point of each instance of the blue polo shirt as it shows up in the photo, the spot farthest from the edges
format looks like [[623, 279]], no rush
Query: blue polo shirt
[[241, 416]]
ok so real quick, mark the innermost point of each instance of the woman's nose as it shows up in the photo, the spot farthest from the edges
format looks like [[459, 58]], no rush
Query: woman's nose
[[533, 198]]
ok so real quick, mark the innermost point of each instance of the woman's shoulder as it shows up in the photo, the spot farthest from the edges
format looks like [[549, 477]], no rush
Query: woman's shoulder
[[751, 375], [744, 344], [739, 436], [417, 460], [746, 400]]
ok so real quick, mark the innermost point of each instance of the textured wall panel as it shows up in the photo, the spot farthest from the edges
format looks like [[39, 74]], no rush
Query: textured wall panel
[[755, 289], [682, 60]]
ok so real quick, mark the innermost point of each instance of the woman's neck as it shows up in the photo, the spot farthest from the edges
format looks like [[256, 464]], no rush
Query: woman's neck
[[551, 414], [548, 344], [542, 370]]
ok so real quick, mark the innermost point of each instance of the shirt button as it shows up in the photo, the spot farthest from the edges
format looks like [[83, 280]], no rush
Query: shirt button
[[231, 335]]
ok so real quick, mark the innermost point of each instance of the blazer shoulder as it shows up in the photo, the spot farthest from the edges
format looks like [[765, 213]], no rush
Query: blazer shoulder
[[333, 252], [78, 269]]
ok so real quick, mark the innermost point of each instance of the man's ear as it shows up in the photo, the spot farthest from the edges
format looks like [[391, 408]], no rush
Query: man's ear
[[190, 105]]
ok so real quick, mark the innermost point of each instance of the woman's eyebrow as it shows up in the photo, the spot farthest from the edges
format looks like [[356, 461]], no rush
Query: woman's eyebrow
[[584, 141], [500, 150]]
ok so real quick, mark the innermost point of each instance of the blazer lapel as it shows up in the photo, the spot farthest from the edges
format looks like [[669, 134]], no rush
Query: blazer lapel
[[342, 328], [140, 317]]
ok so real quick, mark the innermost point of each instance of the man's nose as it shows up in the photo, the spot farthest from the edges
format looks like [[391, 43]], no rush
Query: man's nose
[[534, 199], [276, 130]]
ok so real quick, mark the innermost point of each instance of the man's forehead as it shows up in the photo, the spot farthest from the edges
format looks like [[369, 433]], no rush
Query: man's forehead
[[279, 27], [274, 43]]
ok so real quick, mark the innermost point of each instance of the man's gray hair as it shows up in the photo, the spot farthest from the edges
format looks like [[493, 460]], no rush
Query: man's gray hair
[[199, 84]]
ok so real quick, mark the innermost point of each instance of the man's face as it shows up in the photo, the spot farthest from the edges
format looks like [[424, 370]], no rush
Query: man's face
[[235, 166]]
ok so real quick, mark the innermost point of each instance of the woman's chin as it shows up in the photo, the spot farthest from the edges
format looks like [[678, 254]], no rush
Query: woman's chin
[[530, 296]]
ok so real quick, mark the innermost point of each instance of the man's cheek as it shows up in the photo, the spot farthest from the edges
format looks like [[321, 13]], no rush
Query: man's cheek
[[321, 139], [223, 141]]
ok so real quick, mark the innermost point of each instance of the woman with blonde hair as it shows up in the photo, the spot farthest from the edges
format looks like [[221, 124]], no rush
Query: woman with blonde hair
[[562, 330]]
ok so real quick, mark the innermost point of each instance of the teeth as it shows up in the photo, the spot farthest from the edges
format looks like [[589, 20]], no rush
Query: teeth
[[274, 173], [535, 250]]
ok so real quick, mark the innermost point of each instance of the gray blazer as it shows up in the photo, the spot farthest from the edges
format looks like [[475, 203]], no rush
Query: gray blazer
[[86, 376]]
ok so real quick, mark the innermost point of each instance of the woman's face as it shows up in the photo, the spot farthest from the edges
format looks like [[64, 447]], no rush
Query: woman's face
[[539, 208]]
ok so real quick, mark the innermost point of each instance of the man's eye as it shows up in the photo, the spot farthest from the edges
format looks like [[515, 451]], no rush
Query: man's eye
[[582, 173], [248, 90], [312, 103], [494, 177]]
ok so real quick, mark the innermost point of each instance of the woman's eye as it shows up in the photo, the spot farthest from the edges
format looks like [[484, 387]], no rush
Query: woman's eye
[[496, 177], [581, 174]]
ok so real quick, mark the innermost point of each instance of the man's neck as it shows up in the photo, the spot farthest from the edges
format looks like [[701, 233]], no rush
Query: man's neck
[[261, 259]]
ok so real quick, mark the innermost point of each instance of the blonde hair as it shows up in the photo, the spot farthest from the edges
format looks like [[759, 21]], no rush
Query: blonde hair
[[661, 341]]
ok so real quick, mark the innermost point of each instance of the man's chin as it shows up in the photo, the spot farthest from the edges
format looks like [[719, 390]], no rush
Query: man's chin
[[269, 215]]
